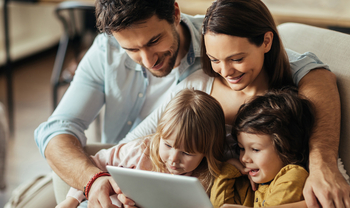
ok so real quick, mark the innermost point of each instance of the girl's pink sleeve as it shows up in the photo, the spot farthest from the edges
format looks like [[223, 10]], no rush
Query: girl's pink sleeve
[[129, 155]]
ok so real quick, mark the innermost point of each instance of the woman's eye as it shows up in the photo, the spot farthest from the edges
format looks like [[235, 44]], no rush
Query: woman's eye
[[214, 61], [256, 150], [167, 145]]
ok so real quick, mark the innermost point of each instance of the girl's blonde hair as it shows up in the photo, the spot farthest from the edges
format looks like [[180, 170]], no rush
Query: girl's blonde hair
[[197, 120]]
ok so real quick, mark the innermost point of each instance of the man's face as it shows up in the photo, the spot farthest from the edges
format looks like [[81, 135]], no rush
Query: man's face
[[153, 43]]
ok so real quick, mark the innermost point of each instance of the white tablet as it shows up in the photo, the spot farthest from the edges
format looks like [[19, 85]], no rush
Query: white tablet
[[160, 190]]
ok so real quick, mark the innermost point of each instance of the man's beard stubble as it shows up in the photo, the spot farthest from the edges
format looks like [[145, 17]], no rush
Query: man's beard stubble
[[171, 63]]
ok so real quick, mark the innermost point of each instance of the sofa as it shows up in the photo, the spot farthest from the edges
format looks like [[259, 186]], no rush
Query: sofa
[[333, 48]]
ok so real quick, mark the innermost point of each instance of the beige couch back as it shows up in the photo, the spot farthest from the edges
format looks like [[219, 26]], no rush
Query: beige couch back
[[333, 48]]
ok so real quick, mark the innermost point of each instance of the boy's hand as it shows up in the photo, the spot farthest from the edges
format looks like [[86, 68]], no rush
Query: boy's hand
[[245, 171]]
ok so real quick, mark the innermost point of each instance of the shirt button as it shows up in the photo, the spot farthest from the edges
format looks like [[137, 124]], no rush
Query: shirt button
[[140, 95], [129, 123]]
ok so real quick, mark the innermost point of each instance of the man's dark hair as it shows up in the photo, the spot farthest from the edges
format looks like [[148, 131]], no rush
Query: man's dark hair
[[285, 116], [116, 15]]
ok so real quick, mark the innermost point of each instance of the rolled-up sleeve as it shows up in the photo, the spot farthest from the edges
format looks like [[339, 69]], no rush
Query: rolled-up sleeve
[[80, 104], [301, 64]]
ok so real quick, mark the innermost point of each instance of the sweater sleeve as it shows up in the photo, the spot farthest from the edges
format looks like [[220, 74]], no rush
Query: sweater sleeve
[[230, 187]]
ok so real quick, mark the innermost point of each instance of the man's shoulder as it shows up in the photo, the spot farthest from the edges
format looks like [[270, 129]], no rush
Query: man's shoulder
[[194, 22]]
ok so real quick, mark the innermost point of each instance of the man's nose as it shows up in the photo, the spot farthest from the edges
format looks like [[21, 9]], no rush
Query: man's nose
[[148, 58]]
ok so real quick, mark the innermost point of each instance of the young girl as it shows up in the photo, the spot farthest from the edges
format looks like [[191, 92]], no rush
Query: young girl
[[272, 133], [189, 141]]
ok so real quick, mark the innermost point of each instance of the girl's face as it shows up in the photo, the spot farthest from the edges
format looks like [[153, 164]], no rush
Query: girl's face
[[178, 161], [237, 60], [258, 154]]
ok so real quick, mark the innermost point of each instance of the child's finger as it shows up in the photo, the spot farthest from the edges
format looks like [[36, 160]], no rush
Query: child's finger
[[252, 183]]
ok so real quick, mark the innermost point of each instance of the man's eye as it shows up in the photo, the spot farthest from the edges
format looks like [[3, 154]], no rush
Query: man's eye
[[237, 60], [132, 50], [152, 42]]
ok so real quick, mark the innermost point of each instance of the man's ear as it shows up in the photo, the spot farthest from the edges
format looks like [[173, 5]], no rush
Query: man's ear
[[177, 14], [268, 38]]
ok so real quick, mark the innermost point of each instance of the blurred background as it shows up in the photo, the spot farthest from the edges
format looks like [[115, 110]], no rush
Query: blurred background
[[31, 34]]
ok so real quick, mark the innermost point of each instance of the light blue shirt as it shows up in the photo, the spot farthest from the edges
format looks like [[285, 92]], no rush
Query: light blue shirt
[[108, 76]]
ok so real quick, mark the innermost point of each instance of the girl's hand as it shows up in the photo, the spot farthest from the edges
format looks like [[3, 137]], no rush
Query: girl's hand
[[69, 202], [245, 171]]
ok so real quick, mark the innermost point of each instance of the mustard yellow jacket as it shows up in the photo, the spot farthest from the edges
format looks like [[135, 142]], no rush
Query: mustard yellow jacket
[[233, 188]]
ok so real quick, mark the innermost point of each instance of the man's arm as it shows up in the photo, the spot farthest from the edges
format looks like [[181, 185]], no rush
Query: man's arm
[[325, 183], [68, 160]]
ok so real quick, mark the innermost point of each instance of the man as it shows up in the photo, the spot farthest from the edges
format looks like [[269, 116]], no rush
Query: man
[[147, 47]]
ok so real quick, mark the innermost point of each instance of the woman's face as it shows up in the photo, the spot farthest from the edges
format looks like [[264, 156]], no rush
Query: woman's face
[[237, 60]]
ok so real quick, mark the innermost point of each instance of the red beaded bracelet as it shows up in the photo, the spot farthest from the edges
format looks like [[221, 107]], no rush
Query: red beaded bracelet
[[91, 181]]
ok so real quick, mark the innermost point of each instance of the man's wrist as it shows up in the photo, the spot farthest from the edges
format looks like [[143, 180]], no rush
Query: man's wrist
[[91, 181]]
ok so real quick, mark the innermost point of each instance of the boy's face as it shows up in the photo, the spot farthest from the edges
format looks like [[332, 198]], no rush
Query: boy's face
[[258, 154], [152, 43], [178, 161]]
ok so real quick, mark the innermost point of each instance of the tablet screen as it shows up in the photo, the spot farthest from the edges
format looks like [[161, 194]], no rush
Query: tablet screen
[[160, 190]]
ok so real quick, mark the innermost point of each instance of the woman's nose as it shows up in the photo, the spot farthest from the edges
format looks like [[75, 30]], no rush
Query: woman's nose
[[226, 69]]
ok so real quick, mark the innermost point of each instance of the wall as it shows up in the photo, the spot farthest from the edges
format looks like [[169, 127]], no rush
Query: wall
[[33, 28]]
